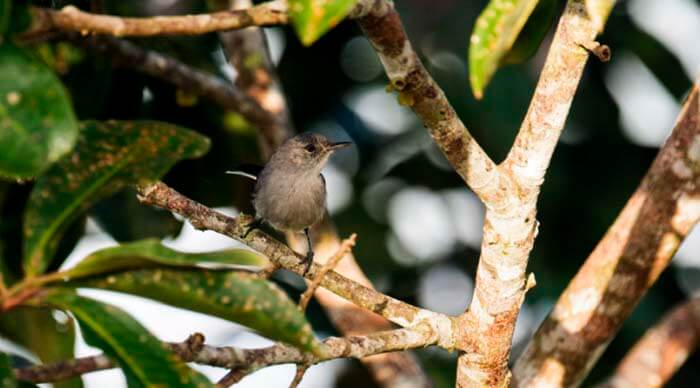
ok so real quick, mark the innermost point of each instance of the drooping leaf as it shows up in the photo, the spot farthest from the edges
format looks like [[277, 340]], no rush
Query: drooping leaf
[[313, 18], [7, 376], [495, 31], [238, 297], [37, 123], [126, 219], [533, 33], [108, 156], [145, 360], [38, 330], [151, 253]]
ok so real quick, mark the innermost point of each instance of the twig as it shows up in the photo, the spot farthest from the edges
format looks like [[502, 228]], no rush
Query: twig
[[175, 72], [298, 375], [248, 52], [345, 247], [661, 352], [626, 262], [71, 18], [249, 360], [202, 217], [234, 376]]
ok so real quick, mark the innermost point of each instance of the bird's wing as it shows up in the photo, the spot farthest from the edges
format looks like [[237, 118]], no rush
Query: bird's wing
[[250, 171]]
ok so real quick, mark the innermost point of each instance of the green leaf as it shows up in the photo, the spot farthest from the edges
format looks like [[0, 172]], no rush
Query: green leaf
[[313, 18], [533, 33], [7, 376], [109, 155], [38, 331], [145, 360], [238, 297], [37, 123], [495, 31], [5, 11], [151, 253]]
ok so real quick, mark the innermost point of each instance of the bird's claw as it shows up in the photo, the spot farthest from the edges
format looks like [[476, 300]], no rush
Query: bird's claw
[[255, 224], [307, 262]]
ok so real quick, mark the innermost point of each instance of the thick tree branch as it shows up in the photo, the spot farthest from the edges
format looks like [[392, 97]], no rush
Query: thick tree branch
[[510, 228], [202, 217], [251, 360], [626, 262], [661, 352], [381, 24], [72, 19]]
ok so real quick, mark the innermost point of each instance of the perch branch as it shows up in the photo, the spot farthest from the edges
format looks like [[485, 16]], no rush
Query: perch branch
[[624, 264], [70, 18], [250, 360], [202, 217], [664, 348]]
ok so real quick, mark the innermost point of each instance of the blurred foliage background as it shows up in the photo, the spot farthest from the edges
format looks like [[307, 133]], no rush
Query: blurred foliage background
[[418, 225]]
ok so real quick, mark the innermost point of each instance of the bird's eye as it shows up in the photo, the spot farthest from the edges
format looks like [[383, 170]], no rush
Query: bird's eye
[[310, 148]]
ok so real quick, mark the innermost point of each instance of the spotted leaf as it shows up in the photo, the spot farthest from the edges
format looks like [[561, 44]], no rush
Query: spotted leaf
[[151, 253], [235, 296], [495, 31], [145, 360], [37, 123], [313, 18], [108, 156], [39, 331]]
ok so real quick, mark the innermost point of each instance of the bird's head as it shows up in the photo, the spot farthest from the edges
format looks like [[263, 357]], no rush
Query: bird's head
[[309, 151]]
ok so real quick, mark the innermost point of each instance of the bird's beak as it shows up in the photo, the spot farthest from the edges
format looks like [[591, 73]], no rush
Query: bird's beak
[[340, 144]]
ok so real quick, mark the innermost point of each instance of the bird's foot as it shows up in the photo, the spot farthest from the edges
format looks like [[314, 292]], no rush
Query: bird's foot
[[308, 260], [256, 224]]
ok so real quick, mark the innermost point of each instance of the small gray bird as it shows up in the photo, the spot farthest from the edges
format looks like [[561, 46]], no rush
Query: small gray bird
[[290, 192]]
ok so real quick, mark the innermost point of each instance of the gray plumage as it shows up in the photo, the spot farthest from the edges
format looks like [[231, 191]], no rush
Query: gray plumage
[[290, 192]]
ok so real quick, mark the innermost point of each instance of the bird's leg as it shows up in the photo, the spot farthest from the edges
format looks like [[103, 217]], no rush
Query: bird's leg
[[309, 253], [256, 224]]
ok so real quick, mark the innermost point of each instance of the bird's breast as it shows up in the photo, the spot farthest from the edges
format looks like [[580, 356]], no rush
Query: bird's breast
[[290, 203]]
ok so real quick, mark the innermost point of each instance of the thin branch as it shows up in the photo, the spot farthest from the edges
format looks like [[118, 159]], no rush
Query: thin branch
[[234, 376], [72, 19], [660, 353], [626, 262], [381, 24], [248, 52], [345, 247], [249, 360], [298, 375], [401, 313], [171, 70]]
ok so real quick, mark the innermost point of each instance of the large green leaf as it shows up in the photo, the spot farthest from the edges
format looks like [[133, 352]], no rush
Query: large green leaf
[[146, 362], [37, 123], [495, 31], [235, 296], [38, 331], [7, 376], [312, 18], [108, 156], [151, 253]]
